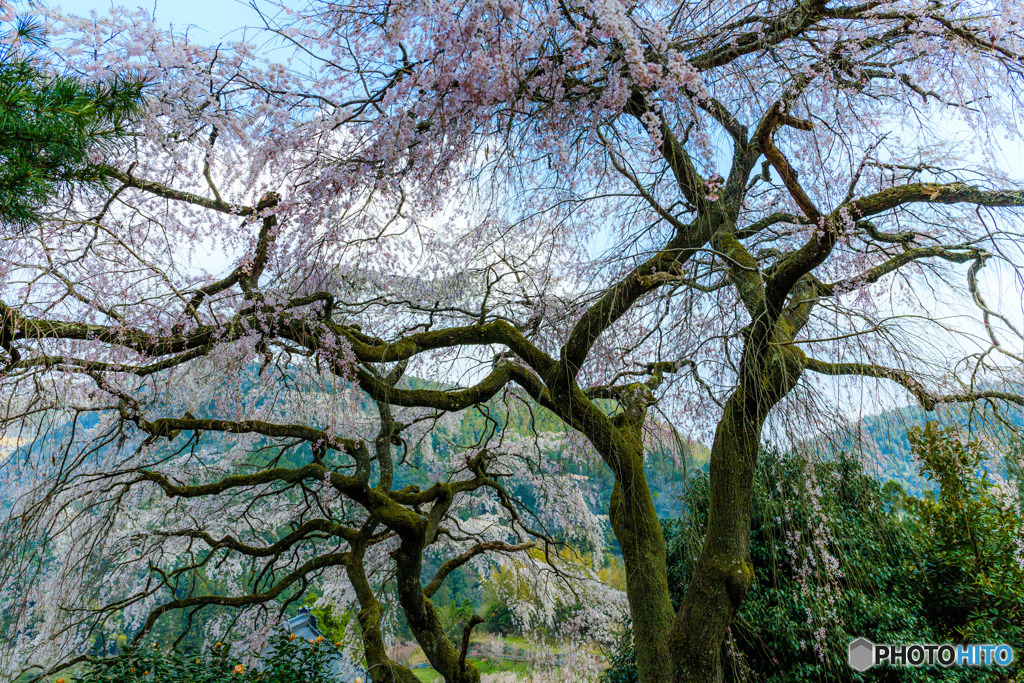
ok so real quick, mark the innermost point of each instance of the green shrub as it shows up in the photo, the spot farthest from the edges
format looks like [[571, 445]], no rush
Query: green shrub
[[287, 660], [851, 560], [622, 661], [971, 577], [499, 619]]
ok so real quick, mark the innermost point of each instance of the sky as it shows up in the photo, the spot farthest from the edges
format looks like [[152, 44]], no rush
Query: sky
[[215, 18]]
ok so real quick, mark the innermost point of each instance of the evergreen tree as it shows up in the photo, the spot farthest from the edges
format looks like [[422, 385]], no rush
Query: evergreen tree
[[970, 532], [55, 129]]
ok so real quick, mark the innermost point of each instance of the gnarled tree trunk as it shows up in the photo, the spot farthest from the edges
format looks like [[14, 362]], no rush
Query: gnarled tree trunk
[[381, 667], [638, 529], [723, 573], [424, 621]]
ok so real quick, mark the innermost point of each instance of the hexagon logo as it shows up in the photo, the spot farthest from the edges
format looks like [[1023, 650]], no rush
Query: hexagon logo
[[862, 654]]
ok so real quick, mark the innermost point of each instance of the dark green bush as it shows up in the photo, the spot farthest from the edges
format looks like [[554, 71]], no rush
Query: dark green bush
[[499, 619], [857, 558], [287, 660]]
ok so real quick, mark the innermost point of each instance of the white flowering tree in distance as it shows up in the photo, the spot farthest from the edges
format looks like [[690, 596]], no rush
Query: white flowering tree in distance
[[723, 213]]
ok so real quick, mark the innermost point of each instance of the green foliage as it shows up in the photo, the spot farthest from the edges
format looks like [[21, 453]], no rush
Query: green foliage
[[622, 661], [54, 129], [455, 616], [829, 547], [886, 436], [287, 661], [837, 555], [498, 618], [971, 534], [331, 620]]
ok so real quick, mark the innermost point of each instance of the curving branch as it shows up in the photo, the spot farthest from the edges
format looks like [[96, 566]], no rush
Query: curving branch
[[931, 193], [927, 399], [814, 252], [315, 564], [487, 546], [952, 254], [161, 190], [300, 533], [780, 163]]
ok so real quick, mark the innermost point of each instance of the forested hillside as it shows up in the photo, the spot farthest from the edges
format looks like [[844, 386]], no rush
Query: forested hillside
[[879, 439], [886, 453]]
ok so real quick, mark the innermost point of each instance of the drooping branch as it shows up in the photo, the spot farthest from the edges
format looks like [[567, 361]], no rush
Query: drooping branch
[[952, 254], [927, 399], [987, 313], [300, 533], [932, 193], [305, 569], [814, 252]]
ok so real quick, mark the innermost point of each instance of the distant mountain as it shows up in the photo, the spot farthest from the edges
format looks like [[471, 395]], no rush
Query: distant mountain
[[665, 468], [885, 451], [881, 445]]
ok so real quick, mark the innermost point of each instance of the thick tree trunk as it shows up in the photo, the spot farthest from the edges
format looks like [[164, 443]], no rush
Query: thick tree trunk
[[723, 573], [635, 523], [633, 518], [424, 621], [638, 529], [381, 667], [687, 646]]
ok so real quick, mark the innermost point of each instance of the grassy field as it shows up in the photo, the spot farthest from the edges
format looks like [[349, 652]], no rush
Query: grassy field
[[520, 669], [486, 665]]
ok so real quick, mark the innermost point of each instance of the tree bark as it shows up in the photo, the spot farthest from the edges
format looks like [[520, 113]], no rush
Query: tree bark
[[381, 667], [631, 511], [723, 573], [423, 619], [635, 522], [638, 529]]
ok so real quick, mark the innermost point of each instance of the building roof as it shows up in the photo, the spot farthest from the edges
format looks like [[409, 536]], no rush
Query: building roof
[[304, 625]]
